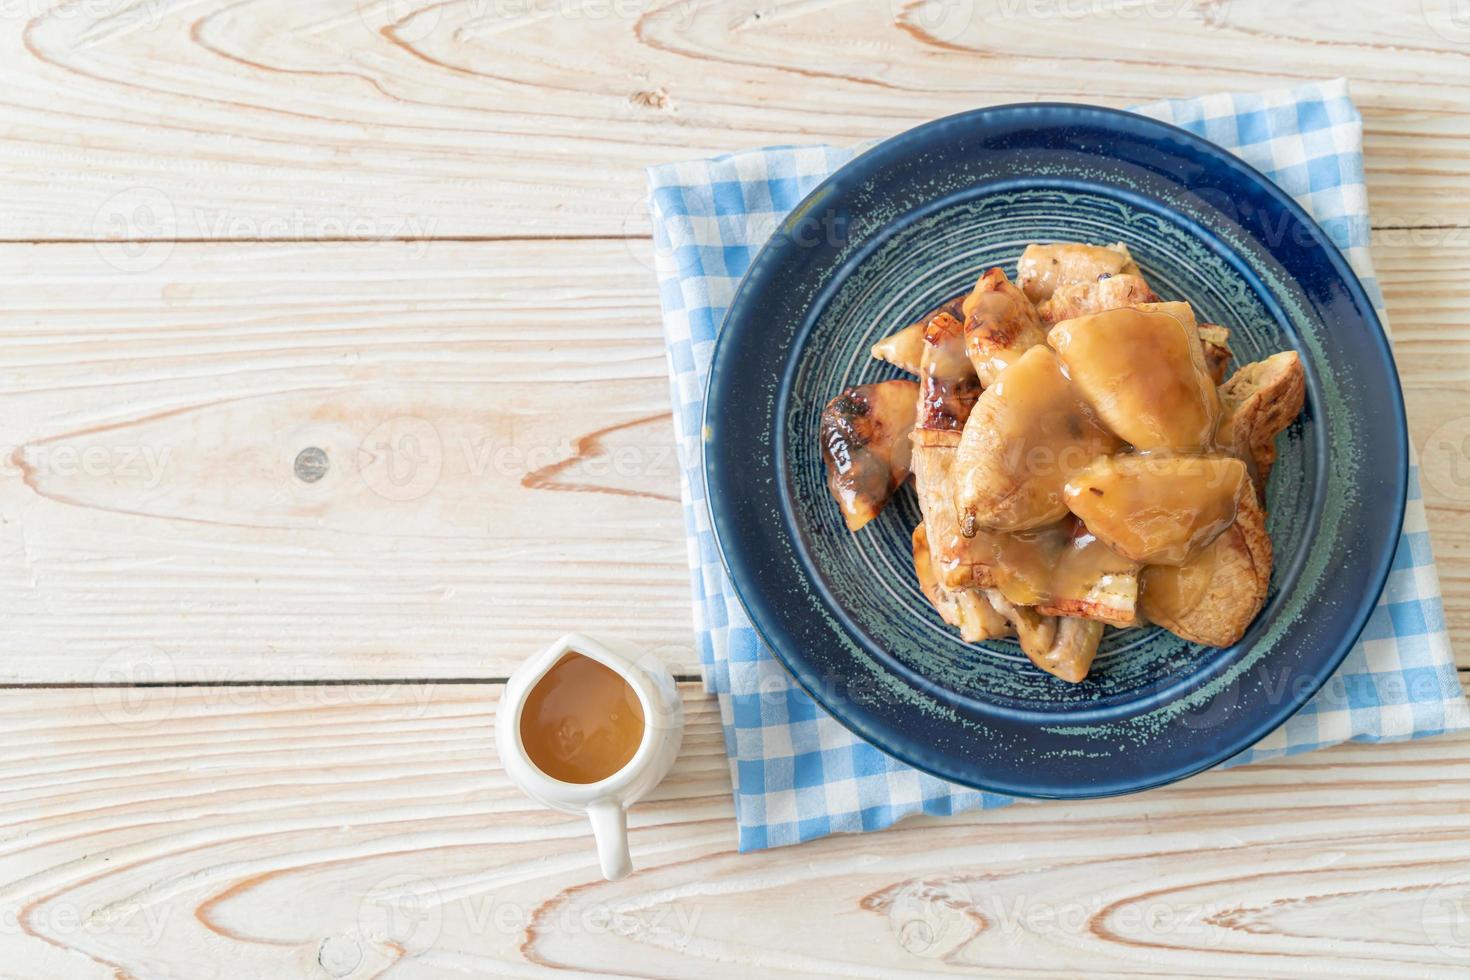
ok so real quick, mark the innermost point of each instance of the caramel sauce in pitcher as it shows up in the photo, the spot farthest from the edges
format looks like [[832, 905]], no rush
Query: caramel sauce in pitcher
[[582, 721]]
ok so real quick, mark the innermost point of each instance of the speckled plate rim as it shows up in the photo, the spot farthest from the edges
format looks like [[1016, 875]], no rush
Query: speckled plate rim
[[860, 720]]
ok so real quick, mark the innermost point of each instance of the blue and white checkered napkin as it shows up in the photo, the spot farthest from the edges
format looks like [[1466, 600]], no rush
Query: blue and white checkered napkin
[[799, 774]]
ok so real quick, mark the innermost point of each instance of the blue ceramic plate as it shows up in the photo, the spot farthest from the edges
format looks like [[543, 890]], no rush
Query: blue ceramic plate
[[912, 223]]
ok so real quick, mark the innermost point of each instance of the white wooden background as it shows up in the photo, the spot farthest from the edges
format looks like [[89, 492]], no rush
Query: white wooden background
[[249, 716]]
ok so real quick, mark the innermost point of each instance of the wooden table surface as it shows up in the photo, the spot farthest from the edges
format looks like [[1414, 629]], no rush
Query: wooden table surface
[[331, 386]]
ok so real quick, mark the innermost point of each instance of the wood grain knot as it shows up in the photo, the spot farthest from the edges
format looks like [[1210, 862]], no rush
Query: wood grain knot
[[653, 99], [311, 464]]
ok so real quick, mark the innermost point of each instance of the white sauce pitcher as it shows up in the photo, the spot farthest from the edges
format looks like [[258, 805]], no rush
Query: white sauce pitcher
[[606, 801]]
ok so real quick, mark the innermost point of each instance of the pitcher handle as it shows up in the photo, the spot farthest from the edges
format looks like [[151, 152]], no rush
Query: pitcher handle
[[610, 828]]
